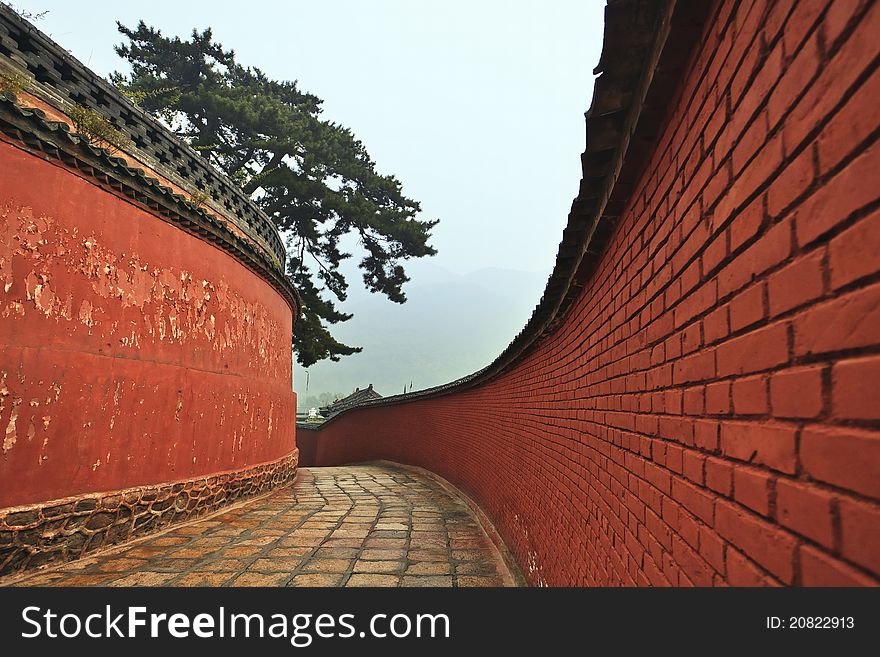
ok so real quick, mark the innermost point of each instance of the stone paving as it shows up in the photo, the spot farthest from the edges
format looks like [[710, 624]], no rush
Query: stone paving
[[368, 525]]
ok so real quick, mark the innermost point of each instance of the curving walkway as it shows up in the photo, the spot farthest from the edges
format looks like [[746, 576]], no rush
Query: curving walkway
[[366, 525]]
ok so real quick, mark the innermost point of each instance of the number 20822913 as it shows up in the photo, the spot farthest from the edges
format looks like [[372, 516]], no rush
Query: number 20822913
[[810, 623]]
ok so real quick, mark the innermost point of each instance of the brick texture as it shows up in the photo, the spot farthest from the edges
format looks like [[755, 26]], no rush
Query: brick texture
[[706, 412]]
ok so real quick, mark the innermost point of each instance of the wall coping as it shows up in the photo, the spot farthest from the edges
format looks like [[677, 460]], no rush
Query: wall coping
[[62, 82], [30, 130]]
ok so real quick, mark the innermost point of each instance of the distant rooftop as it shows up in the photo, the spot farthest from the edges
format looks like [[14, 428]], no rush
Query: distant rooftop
[[354, 399]]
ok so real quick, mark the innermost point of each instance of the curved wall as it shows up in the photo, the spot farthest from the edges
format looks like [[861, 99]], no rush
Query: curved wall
[[145, 337], [133, 352], [703, 413]]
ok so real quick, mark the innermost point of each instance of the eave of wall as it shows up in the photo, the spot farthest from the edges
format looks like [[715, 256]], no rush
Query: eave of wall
[[646, 46], [157, 170], [30, 130]]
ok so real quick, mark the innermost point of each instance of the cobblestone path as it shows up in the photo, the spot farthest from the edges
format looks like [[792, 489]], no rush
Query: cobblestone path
[[370, 525]]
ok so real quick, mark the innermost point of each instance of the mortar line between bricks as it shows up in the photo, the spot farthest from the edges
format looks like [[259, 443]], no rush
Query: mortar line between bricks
[[407, 542], [221, 555], [348, 571], [264, 553], [298, 570]]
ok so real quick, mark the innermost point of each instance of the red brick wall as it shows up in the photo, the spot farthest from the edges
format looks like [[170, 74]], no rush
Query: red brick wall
[[707, 413]]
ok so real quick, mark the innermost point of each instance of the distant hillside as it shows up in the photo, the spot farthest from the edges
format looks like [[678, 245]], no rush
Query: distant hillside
[[451, 325]]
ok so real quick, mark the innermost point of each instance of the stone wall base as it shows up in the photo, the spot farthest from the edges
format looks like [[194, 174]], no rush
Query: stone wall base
[[66, 529]]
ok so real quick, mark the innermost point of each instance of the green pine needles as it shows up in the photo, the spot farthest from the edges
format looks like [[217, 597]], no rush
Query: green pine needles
[[312, 176]]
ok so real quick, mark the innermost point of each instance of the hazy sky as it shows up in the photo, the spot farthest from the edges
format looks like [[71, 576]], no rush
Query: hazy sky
[[477, 106]]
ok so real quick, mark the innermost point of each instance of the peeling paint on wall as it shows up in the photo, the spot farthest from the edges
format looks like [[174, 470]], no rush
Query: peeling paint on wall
[[131, 352], [174, 305], [10, 436], [25, 421]]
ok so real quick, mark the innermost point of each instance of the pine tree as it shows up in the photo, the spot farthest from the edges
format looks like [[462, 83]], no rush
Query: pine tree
[[312, 176]]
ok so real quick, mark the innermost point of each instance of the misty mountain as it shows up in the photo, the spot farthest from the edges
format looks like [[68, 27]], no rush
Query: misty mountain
[[451, 325]]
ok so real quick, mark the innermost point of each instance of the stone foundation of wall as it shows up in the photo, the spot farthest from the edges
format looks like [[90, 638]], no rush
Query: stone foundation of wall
[[69, 528]]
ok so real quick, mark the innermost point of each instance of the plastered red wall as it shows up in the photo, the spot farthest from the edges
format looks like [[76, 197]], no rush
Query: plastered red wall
[[131, 352], [707, 412]]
